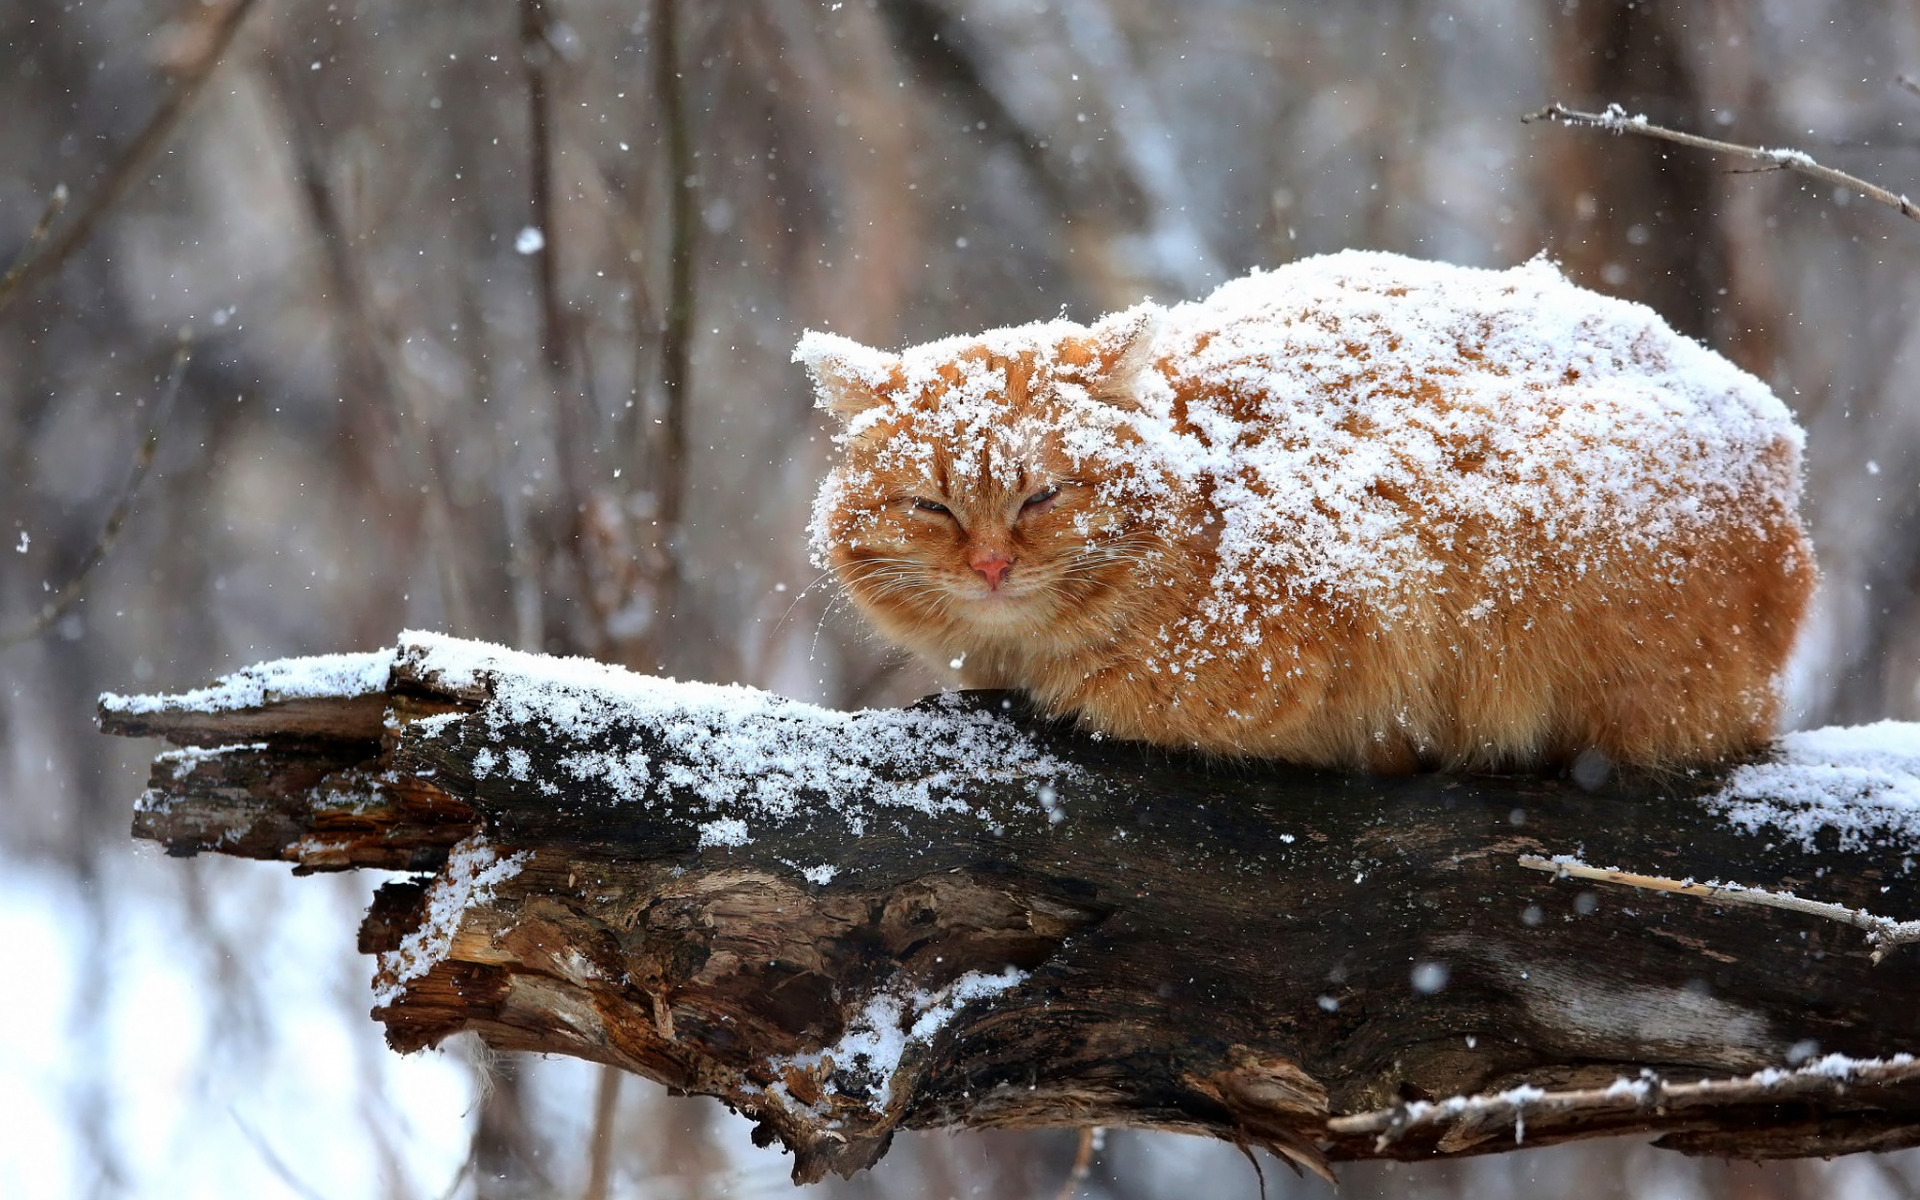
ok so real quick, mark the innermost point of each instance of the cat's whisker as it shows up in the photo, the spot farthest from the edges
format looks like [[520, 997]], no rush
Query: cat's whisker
[[798, 597]]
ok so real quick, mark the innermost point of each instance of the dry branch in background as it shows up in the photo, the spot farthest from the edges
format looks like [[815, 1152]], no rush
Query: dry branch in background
[[59, 602], [213, 32], [842, 924], [676, 334], [1616, 120]]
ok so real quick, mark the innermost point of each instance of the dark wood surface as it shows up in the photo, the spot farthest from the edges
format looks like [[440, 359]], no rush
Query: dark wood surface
[[1330, 966]]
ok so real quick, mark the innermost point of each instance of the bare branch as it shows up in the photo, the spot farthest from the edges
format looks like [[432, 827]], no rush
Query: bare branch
[[536, 55], [1471, 1116], [744, 897], [366, 342], [677, 335], [154, 135], [606, 1106], [1883, 933], [65, 598], [1616, 120], [1082, 1163], [55, 203]]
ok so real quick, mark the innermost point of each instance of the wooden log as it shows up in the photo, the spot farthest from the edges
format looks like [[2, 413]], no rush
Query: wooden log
[[961, 914]]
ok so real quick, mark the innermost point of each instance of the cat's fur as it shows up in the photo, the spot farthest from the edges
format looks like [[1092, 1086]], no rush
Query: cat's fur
[[1362, 511]]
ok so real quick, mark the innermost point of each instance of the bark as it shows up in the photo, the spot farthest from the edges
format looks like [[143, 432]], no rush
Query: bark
[[1071, 931]]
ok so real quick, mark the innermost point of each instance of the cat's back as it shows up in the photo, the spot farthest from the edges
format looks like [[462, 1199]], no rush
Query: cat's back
[[1398, 344], [1362, 409]]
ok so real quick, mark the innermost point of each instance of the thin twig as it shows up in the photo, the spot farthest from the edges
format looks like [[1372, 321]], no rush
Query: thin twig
[[1082, 1163], [460, 1175], [366, 342], [274, 1162], [65, 598], [1832, 1074], [1616, 120], [536, 54], [1259, 1175], [38, 234], [565, 387], [132, 161], [1883, 933], [677, 336], [1907, 82], [606, 1106]]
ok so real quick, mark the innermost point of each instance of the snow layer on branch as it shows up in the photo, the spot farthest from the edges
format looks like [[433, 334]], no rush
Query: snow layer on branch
[[870, 1051], [320, 676], [1514, 1102], [1860, 781], [473, 870], [187, 760], [744, 755]]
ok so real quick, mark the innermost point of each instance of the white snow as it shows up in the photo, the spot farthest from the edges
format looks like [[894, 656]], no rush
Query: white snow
[[209, 1063], [1514, 1099], [185, 760], [271, 682], [747, 755], [1840, 1066], [892, 1021], [725, 831], [473, 870], [1619, 459], [1862, 782]]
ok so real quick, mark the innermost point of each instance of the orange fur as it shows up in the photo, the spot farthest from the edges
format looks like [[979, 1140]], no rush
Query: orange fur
[[1521, 609]]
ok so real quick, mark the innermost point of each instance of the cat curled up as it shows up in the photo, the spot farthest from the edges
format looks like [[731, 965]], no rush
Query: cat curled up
[[1361, 511]]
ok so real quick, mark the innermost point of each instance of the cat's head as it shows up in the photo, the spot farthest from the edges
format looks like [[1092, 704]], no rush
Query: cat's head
[[991, 489]]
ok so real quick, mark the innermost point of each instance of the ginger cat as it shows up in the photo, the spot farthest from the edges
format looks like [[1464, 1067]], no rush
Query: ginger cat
[[1362, 511]]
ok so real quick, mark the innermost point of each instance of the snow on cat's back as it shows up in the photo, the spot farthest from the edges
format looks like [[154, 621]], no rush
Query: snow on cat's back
[[1358, 511]]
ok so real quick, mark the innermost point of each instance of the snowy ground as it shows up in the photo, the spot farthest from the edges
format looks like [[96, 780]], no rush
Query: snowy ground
[[223, 1067]]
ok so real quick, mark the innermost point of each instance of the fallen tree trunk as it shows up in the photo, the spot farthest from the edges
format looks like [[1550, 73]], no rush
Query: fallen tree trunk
[[963, 915]]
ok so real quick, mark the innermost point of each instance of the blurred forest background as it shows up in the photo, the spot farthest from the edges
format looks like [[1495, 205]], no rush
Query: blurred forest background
[[490, 307]]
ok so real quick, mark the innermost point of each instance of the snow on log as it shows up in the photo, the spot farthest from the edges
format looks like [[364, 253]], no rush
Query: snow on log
[[961, 914]]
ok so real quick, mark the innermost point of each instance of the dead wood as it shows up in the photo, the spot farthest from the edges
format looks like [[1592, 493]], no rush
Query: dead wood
[[964, 915]]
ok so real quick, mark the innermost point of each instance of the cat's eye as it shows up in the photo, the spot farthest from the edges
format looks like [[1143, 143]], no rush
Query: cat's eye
[[932, 506], [1039, 499]]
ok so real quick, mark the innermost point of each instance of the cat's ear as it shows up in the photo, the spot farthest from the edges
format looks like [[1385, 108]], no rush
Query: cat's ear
[[1123, 347], [848, 378]]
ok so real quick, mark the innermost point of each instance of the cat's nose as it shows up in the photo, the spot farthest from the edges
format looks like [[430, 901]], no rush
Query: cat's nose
[[993, 567]]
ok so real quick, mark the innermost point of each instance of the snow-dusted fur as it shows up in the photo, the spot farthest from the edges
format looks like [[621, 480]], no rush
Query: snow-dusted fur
[[1361, 511]]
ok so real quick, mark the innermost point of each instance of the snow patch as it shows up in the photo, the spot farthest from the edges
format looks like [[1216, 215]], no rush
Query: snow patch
[[746, 755], [473, 870], [1513, 1099], [870, 1051], [727, 831], [319, 676], [185, 761], [1862, 782]]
